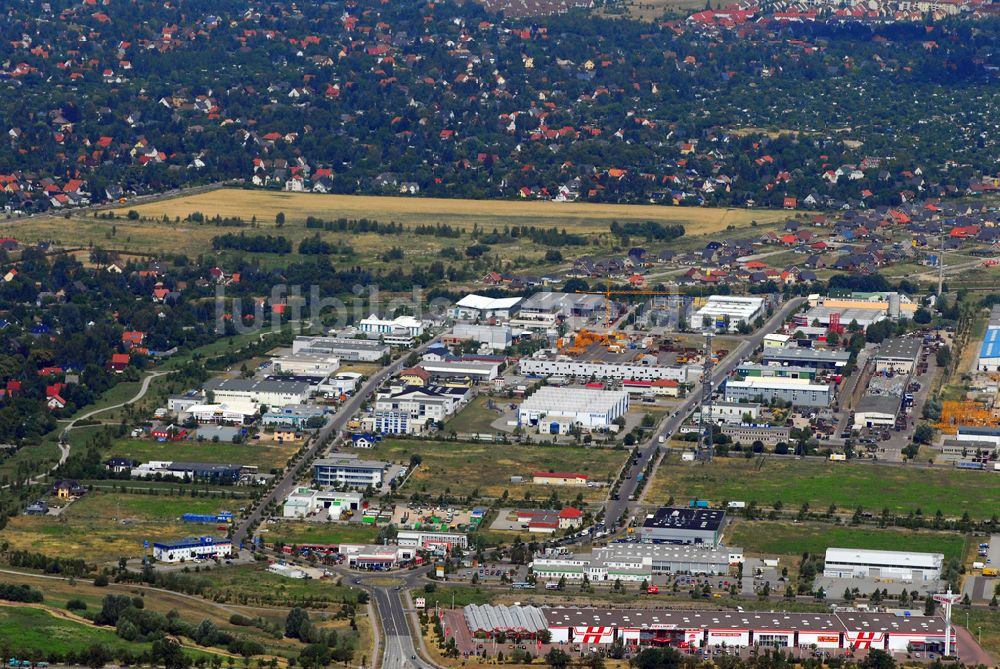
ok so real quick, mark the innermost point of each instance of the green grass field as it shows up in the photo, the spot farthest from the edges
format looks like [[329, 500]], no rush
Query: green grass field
[[298, 532], [786, 538], [103, 526], [821, 483], [484, 470], [267, 456], [474, 418], [26, 629]]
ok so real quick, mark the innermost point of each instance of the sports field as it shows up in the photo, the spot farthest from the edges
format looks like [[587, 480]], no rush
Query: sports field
[[785, 538], [484, 470], [575, 217], [820, 483], [103, 526]]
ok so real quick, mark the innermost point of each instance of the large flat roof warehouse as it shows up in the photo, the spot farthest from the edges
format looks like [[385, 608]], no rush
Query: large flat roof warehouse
[[483, 303], [860, 315], [550, 399], [991, 343], [734, 306], [899, 348], [758, 621], [875, 558], [567, 304], [256, 385], [805, 355], [670, 517]]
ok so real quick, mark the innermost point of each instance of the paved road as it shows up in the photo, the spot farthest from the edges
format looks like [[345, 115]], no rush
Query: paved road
[[613, 509], [322, 439], [64, 445]]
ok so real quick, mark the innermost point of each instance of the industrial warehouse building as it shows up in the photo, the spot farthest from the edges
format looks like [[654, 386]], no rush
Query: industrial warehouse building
[[303, 502], [494, 337], [194, 548], [346, 469], [747, 434], [897, 355], [732, 309], [543, 365], [316, 365], [637, 562], [800, 392], [732, 412], [876, 411], [989, 352], [675, 525], [480, 308], [803, 356], [780, 371], [270, 392], [559, 410], [352, 350], [971, 433], [400, 331], [857, 630], [895, 565]]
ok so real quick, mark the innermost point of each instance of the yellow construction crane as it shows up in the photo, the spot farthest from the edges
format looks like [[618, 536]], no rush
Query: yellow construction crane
[[609, 292]]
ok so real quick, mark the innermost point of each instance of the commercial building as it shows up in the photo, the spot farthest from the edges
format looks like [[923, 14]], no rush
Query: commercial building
[[319, 365], [193, 548], [564, 305], [548, 521], [191, 471], [658, 388], [558, 478], [184, 401], [560, 410], [347, 349], [294, 415], [970, 433], [304, 502], [855, 630], [803, 356], [270, 392], [429, 541], [341, 384], [989, 352], [876, 411], [369, 557], [412, 409], [494, 337], [730, 311], [747, 434], [637, 562], [800, 392], [481, 308], [476, 371], [733, 412], [400, 331], [896, 565], [345, 469], [897, 355], [775, 340], [545, 365], [683, 526], [222, 413], [780, 371], [515, 621]]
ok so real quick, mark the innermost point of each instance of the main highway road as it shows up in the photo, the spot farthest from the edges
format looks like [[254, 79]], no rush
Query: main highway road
[[614, 508], [344, 413]]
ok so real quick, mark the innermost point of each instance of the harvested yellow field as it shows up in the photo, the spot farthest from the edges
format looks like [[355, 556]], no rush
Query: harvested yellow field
[[575, 216], [650, 10]]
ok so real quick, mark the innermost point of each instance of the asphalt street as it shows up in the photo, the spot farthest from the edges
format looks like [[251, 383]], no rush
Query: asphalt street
[[322, 441], [613, 509]]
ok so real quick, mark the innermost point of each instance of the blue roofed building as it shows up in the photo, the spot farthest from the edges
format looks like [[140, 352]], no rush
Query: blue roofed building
[[989, 352]]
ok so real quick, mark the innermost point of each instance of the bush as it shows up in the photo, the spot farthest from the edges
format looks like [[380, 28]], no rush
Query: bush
[[101, 581], [241, 620], [76, 605]]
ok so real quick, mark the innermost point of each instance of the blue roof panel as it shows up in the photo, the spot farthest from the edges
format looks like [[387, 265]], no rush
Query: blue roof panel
[[991, 344]]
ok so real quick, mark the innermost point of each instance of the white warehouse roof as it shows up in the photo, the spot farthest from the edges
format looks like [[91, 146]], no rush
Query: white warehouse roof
[[484, 303], [884, 558], [734, 306], [551, 399]]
